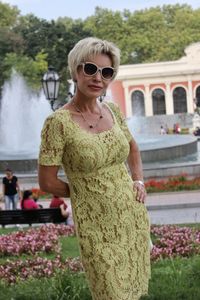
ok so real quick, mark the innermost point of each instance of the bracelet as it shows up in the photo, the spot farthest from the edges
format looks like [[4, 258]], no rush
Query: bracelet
[[139, 181]]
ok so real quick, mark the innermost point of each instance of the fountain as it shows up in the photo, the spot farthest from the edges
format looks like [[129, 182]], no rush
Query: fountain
[[169, 154], [22, 114], [155, 147]]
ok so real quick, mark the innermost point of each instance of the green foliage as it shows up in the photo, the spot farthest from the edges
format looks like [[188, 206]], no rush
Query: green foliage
[[175, 279], [64, 285], [69, 247], [109, 25], [32, 70], [149, 35], [10, 42], [154, 34], [8, 15]]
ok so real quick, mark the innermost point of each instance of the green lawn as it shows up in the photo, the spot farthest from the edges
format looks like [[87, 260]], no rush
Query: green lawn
[[69, 247], [176, 279], [172, 279]]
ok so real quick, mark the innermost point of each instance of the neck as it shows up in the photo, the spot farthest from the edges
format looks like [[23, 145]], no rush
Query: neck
[[90, 105], [97, 110]]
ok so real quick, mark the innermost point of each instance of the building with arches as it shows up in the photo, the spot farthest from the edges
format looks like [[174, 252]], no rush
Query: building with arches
[[163, 88]]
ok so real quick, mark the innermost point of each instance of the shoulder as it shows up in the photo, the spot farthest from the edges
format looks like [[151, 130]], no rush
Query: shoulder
[[58, 116], [116, 110], [114, 107], [57, 120]]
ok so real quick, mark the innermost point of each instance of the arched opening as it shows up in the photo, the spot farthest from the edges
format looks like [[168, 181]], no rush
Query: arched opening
[[158, 98], [137, 102], [198, 96], [180, 100]]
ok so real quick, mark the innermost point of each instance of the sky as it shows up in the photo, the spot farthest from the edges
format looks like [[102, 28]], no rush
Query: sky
[[75, 9]]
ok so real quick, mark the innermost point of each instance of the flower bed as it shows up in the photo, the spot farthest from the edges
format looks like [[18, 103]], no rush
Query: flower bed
[[38, 193], [32, 241], [13, 271], [169, 242], [172, 241], [179, 183], [175, 183]]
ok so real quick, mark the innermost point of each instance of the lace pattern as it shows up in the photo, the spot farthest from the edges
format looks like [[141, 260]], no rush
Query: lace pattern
[[112, 227]]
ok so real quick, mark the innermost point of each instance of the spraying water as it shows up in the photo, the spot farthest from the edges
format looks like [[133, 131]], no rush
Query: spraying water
[[22, 115]]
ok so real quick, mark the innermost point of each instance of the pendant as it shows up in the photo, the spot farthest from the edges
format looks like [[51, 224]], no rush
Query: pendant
[[91, 126]]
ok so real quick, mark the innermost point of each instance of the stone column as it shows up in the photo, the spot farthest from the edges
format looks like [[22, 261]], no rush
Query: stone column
[[169, 100], [148, 102], [127, 101], [190, 105]]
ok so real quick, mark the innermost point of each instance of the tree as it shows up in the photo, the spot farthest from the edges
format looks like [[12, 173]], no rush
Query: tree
[[54, 38], [8, 15], [149, 35], [32, 70], [9, 41], [109, 25]]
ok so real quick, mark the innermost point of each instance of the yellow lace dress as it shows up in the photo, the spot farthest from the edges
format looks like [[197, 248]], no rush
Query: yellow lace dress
[[111, 226]]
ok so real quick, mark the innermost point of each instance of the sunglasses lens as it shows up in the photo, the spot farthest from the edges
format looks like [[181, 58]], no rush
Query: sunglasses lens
[[107, 73], [90, 69]]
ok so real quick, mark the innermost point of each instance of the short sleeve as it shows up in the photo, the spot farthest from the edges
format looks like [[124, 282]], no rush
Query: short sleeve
[[52, 142], [120, 120]]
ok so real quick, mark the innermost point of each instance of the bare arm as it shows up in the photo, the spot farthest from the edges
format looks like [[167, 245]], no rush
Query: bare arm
[[3, 190], [50, 183], [64, 212], [135, 166], [135, 162], [18, 189]]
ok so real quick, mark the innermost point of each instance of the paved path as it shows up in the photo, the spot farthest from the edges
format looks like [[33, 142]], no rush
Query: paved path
[[164, 208], [174, 208]]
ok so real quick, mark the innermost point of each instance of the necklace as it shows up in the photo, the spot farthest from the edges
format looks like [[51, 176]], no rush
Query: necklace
[[84, 118]]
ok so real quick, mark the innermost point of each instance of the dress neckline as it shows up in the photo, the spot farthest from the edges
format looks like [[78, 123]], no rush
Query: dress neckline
[[95, 133]]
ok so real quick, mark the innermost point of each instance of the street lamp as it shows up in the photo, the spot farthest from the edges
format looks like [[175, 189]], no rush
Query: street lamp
[[50, 84]]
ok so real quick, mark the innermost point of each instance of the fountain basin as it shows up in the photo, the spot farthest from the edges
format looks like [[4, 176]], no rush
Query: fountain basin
[[153, 148], [158, 148]]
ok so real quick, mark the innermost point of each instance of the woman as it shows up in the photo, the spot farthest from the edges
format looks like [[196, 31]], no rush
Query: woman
[[57, 202], [92, 142], [27, 201], [11, 190]]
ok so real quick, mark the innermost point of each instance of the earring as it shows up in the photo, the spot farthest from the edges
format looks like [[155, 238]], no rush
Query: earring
[[101, 98]]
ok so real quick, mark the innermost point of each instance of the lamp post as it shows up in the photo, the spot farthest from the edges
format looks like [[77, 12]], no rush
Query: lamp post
[[50, 84]]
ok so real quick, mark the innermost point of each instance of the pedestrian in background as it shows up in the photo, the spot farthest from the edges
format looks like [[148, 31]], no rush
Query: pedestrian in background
[[11, 190]]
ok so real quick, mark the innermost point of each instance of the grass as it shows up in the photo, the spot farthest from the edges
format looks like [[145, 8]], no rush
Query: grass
[[69, 247], [63, 286], [8, 230], [172, 279], [177, 279]]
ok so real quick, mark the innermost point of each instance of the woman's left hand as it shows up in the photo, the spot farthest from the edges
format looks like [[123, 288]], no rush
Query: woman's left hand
[[141, 191]]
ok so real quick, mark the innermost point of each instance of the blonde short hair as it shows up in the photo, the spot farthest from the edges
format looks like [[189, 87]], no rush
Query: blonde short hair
[[89, 47]]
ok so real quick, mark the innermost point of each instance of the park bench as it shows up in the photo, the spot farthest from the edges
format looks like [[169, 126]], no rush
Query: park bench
[[31, 216]]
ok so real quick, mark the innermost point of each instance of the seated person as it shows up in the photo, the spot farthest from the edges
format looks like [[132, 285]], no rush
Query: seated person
[[162, 130], [197, 131], [27, 201], [56, 202], [67, 213]]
